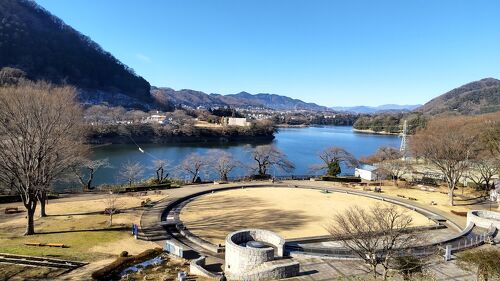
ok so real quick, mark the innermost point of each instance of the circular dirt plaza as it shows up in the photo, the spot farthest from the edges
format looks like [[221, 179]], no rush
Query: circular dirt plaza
[[290, 212]]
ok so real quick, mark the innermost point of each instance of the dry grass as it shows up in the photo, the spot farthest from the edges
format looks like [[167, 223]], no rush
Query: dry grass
[[80, 225], [290, 212]]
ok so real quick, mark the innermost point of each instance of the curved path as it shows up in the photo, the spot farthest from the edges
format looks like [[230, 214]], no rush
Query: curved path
[[158, 222]]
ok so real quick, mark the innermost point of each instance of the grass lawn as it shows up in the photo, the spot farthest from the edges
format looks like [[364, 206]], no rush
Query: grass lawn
[[84, 231]]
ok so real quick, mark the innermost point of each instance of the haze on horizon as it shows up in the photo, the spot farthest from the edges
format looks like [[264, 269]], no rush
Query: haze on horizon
[[334, 53]]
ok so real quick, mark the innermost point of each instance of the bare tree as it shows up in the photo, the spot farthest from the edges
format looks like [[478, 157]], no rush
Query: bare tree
[[97, 114], [111, 203], [449, 144], [332, 158], [193, 165], [483, 170], [222, 163], [40, 131], [136, 115], [131, 172], [391, 160], [86, 169], [376, 234], [269, 157], [162, 170]]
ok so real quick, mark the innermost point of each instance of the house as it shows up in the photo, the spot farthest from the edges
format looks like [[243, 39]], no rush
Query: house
[[368, 172], [234, 121], [156, 118]]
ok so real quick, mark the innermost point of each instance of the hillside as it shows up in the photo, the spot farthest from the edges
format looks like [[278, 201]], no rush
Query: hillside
[[477, 97], [44, 47], [168, 96], [273, 101]]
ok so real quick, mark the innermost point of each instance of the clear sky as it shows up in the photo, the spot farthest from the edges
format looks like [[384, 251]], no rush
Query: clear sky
[[335, 53]]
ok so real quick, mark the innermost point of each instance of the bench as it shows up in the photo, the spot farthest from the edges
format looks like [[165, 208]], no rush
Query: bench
[[55, 245], [402, 196], [411, 198], [458, 213], [12, 210], [58, 245]]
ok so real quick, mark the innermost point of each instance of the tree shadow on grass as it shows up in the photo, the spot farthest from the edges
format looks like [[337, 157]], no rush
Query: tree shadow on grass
[[122, 228], [122, 210]]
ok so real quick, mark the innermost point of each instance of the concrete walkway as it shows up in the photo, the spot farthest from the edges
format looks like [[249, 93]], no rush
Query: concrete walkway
[[313, 269], [151, 229]]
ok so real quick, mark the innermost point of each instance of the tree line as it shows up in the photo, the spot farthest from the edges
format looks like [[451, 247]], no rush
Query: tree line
[[42, 141]]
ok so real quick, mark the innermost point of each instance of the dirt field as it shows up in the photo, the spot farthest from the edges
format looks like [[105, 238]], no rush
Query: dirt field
[[290, 212]]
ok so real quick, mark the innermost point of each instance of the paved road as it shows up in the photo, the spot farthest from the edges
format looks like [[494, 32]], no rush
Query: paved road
[[316, 269]]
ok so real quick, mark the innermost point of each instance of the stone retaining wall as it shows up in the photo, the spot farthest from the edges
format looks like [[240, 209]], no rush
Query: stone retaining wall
[[483, 218], [197, 267], [256, 263]]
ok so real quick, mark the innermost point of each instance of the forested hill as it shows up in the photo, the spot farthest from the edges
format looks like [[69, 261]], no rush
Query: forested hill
[[477, 97], [43, 46], [169, 96]]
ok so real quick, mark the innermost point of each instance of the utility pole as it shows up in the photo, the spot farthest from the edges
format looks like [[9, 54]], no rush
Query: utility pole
[[403, 146]]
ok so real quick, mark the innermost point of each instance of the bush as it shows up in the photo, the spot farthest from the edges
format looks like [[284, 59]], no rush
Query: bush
[[340, 179], [124, 254], [458, 213], [260, 177], [113, 269], [146, 187]]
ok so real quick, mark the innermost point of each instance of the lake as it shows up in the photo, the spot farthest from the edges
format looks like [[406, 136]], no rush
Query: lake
[[301, 145]]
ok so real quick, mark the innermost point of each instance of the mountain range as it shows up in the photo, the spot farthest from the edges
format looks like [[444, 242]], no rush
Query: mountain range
[[45, 48], [376, 109], [243, 99]]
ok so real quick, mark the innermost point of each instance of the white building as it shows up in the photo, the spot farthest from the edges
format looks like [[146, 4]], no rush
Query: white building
[[233, 121], [367, 172], [156, 118]]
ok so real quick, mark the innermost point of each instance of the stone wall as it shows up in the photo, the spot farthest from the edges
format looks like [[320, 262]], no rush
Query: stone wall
[[256, 263], [197, 267], [483, 218]]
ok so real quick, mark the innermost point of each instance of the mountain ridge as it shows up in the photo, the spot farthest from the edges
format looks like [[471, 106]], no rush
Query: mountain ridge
[[477, 97], [376, 109], [194, 98], [45, 48]]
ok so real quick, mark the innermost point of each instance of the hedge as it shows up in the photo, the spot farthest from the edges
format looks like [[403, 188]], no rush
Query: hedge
[[17, 198], [340, 179], [147, 187]]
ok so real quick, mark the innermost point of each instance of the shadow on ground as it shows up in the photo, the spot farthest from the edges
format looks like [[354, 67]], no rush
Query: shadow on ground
[[239, 213]]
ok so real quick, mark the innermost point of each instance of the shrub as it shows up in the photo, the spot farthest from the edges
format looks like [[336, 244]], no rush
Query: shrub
[[341, 179], [124, 254]]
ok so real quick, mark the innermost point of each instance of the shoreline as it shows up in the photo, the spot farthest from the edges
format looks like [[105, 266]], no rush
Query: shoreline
[[106, 141], [292, 126], [372, 132]]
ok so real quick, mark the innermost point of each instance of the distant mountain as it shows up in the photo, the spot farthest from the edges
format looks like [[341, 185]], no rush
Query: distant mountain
[[477, 97], [44, 47], [196, 98], [377, 109]]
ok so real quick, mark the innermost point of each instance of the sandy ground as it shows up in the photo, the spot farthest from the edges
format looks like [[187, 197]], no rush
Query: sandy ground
[[290, 212]]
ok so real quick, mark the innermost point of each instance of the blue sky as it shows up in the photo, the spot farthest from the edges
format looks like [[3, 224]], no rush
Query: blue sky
[[335, 53]]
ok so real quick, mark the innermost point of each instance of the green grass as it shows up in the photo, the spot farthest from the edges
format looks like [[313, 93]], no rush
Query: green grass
[[79, 233]]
